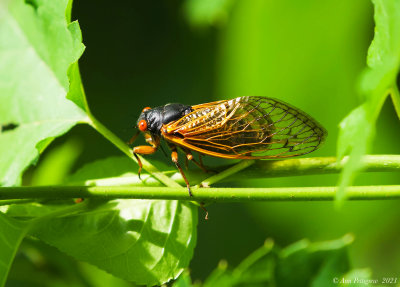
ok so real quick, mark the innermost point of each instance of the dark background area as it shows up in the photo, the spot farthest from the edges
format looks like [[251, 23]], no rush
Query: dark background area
[[309, 53]]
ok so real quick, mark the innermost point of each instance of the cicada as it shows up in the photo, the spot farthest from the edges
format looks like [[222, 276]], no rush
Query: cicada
[[240, 128]]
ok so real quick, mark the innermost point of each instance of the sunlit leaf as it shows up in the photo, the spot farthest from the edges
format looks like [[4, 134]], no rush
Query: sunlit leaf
[[183, 280], [145, 241], [378, 81], [38, 46]]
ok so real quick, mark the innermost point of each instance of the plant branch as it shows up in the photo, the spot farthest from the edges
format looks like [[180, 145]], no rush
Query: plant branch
[[201, 194], [257, 169], [318, 165], [227, 172]]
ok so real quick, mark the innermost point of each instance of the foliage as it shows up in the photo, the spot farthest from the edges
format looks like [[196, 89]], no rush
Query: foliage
[[152, 242], [300, 264], [357, 130], [35, 82]]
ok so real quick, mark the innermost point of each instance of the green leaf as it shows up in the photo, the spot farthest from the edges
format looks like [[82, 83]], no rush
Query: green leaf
[[300, 264], [145, 241], [357, 130], [313, 264], [57, 164], [98, 277], [13, 231], [184, 280], [41, 265], [123, 172], [38, 45], [11, 235]]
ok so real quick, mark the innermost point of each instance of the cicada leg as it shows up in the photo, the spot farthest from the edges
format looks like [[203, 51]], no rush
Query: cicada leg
[[145, 149], [142, 149], [174, 157], [190, 157], [204, 209]]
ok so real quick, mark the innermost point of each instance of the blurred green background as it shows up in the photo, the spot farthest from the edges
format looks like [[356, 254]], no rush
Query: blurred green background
[[308, 53]]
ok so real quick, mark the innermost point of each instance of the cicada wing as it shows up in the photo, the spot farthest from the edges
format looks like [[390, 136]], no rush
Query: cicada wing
[[247, 127]]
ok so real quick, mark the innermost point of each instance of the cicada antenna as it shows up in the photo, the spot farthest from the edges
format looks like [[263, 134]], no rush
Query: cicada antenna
[[133, 138]]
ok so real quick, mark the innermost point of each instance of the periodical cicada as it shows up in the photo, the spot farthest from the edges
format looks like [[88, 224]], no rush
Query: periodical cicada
[[241, 128]]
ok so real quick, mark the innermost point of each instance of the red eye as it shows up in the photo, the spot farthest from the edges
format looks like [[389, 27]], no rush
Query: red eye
[[142, 125], [146, 109]]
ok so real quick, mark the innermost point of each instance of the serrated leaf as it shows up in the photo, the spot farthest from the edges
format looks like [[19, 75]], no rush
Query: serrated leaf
[[145, 241], [37, 47], [357, 130], [11, 235]]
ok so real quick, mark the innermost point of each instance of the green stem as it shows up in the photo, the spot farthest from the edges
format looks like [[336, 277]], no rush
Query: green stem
[[227, 172], [125, 149], [253, 258], [318, 165], [259, 169], [201, 194]]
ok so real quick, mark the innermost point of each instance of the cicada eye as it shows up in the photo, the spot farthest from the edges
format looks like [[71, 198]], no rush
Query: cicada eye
[[142, 125], [146, 109]]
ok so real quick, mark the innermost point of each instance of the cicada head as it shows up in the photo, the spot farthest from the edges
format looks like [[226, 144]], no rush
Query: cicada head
[[150, 121]]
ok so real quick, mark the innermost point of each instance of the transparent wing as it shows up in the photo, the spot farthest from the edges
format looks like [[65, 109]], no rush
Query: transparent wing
[[247, 127]]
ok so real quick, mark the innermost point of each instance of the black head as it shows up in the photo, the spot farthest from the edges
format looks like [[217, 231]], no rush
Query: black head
[[151, 120]]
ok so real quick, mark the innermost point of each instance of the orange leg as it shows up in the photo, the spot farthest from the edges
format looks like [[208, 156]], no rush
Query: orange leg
[[190, 157], [174, 157], [142, 149]]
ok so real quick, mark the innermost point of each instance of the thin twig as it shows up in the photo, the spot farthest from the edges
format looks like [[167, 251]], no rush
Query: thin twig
[[201, 194]]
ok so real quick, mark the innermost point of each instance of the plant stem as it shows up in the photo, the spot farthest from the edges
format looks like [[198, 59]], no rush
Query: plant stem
[[201, 194], [125, 149], [258, 169], [318, 165], [227, 172]]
